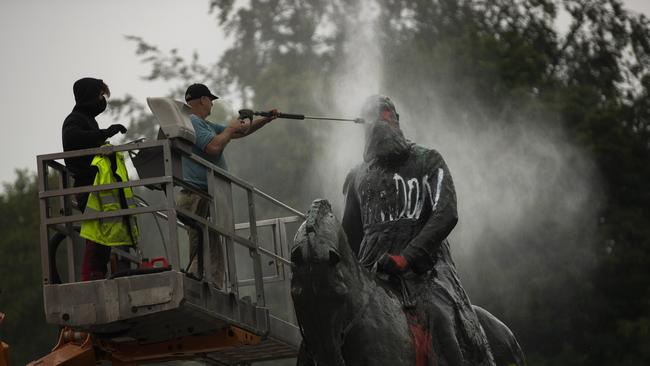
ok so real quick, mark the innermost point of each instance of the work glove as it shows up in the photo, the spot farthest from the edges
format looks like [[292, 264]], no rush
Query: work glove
[[392, 264], [114, 129]]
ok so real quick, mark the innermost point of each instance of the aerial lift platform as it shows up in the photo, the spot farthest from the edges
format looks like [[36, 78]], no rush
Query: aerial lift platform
[[151, 308]]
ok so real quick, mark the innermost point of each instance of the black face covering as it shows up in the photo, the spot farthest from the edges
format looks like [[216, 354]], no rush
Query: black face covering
[[384, 142], [98, 107]]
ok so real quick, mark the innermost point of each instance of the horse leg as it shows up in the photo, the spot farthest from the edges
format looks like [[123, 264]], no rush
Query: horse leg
[[446, 335], [304, 358], [504, 345]]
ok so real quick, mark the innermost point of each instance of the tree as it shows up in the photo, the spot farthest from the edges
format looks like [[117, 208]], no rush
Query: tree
[[485, 66], [21, 295]]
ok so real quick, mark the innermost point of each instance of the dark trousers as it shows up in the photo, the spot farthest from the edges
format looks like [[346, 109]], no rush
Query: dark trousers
[[96, 257]]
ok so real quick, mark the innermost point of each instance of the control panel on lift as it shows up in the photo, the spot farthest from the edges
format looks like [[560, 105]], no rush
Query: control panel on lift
[[173, 117]]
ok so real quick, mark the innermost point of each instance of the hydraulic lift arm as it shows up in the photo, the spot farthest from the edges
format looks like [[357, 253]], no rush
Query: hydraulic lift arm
[[82, 349]]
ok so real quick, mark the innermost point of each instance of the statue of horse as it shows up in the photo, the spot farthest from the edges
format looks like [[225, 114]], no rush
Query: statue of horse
[[348, 318]]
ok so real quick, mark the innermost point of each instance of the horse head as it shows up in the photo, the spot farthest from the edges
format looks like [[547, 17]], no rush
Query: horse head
[[317, 239], [327, 284], [321, 256]]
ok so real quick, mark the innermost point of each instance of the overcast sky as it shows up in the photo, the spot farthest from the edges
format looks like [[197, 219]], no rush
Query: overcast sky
[[48, 44]]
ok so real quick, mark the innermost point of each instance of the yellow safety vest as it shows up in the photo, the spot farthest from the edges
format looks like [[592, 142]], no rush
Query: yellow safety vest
[[110, 231]]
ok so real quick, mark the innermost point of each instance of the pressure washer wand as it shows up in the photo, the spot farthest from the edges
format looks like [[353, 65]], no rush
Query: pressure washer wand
[[249, 113], [356, 120]]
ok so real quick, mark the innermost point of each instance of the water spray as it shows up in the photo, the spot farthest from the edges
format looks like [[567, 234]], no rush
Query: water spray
[[249, 113]]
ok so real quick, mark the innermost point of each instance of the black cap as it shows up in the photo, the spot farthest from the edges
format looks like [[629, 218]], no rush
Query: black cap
[[195, 91]]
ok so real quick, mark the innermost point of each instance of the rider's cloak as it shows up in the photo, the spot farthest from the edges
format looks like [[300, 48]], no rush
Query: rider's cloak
[[407, 203]]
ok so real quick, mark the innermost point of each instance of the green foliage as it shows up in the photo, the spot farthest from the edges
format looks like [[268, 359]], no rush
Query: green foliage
[[506, 62], [21, 295]]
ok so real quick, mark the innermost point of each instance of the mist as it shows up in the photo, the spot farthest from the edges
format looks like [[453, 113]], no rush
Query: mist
[[527, 198]]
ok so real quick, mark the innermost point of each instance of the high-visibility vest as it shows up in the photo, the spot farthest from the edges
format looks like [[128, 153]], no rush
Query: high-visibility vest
[[110, 231]]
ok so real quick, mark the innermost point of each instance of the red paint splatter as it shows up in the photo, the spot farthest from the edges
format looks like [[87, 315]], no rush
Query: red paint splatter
[[422, 342], [387, 115], [400, 262]]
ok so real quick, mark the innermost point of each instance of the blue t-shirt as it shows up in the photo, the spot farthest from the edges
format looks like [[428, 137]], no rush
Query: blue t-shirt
[[193, 172]]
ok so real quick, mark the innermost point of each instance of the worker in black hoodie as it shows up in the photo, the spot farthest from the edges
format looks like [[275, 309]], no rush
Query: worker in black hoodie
[[81, 131]]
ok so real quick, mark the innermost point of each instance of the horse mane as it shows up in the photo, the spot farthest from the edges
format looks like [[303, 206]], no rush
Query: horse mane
[[319, 209]]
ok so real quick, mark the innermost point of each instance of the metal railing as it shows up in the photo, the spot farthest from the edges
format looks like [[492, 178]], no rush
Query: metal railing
[[220, 220]]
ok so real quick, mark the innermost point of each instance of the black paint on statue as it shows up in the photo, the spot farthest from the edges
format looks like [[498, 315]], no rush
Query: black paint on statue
[[401, 201], [349, 316]]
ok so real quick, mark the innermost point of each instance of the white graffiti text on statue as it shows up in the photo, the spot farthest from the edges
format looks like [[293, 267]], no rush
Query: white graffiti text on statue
[[409, 198]]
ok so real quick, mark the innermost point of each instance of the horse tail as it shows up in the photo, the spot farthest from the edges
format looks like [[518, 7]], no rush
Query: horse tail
[[504, 345]]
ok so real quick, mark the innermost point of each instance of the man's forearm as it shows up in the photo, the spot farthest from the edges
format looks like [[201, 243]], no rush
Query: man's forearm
[[219, 142], [255, 125], [258, 123], [79, 138]]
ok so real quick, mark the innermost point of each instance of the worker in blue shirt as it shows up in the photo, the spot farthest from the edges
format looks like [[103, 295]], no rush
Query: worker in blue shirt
[[211, 140]]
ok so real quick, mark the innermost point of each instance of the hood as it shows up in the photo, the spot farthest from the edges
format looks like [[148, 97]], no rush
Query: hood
[[385, 142], [86, 95]]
